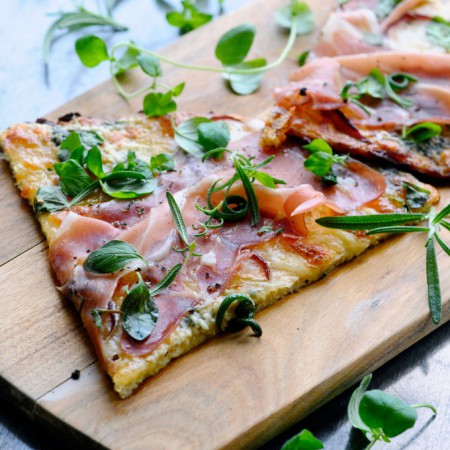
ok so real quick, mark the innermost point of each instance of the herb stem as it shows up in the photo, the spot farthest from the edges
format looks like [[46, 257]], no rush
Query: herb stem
[[227, 70], [424, 405], [372, 443]]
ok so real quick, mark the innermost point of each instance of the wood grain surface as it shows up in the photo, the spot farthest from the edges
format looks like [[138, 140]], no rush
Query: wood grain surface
[[235, 391]]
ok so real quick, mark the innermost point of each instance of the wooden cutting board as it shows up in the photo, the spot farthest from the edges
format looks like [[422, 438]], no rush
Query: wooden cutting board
[[235, 391]]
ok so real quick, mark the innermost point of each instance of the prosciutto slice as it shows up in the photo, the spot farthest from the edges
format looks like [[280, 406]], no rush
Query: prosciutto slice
[[311, 107]]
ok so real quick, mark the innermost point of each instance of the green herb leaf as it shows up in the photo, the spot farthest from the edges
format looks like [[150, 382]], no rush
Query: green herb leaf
[[50, 199], [246, 84], [319, 145], [91, 50], [72, 142], [379, 410], [423, 132], [129, 188], [189, 18], [73, 21], [305, 440], [139, 312], [150, 65], [94, 162], [298, 11], [127, 61], [162, 162], [111, 257], [398, 229], [243, 314], [250, 193], [177, 218], [73, 178], [353, 406], [186, 135], [434, 290], [319, 163], [213, 135], [157, 104], [235, 44], [166, 281], [438, 32], [301, 60], [369, 221]]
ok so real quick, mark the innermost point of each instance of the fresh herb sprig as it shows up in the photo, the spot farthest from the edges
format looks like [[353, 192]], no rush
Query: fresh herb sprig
[[321, 160], [189, 18], [438, 32], [81, 172], [244, 314], [379, 415], [399, 223], [378, 86], [231, 50], [422, 132], [76, 20], [235, 207], [305, 440]]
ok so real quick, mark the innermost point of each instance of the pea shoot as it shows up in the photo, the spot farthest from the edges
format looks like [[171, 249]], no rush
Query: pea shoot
[[244, 76], [400, 223], [422, 132]]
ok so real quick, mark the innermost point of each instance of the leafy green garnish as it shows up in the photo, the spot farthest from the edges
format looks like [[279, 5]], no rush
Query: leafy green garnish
[[244, 314], [301, 60], [189, 18], [395, 223], [438, 32], [199, 134], [305, 440], [111, 257], [379, 415], [76, 20], [91, 50], [422, 132], [162, 162], [158, 104], [50, 199], [245, 84], [321, 160], [149, 65], [166, 281], [378, 86], [299, 12], [139, 311], [235, 44]]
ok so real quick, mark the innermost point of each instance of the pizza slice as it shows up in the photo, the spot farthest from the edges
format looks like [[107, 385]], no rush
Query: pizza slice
[[162, 237], [392, 107]]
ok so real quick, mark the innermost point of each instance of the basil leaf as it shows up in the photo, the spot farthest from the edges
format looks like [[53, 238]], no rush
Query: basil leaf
[[186, 135], [139, 312], [305, 440], [91, 50], [423, 131], [166, 281], [150, 65], [369, 221], [319, 163], [353, 405], [128, 188], [162, 162], [438, 32], [73, 178], [157, 104], [319, 145], [135, 164], [378, 409], [245, 84], [299, 12], [415, 196], [71, 142], [212, 135], [111, 257], [235, 44], [127, 61], [50, 199], [434, 290], [87, 138], [94, 162]]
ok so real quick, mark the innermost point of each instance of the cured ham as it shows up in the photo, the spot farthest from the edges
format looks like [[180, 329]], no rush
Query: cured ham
[[311, 106]]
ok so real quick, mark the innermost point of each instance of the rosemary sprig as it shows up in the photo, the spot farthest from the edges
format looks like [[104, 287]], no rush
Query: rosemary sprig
[[397, 223]]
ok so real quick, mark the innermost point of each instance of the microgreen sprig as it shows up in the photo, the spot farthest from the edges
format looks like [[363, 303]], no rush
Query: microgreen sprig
[[378, 86], [231, 50], [379, 415], [398, 223], [189, 18], [321, 160], [422, 132]]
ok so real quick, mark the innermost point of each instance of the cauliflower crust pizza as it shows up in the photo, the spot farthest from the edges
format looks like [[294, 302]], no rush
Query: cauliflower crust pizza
[[161, 243]]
